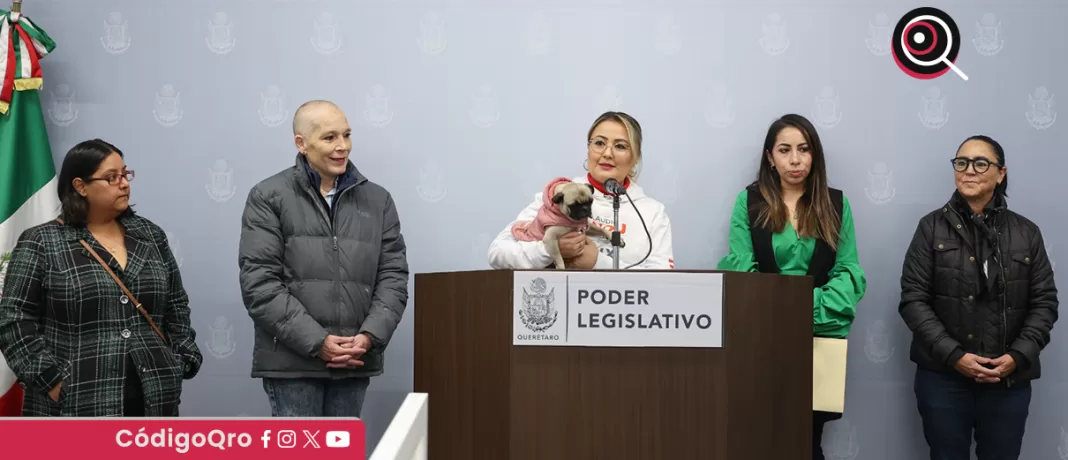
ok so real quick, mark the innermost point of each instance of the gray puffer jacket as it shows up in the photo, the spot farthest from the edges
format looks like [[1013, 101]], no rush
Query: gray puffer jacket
[[309, 269]]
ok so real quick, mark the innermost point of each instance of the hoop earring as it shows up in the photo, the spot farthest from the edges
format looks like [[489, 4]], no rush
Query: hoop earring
[[586, 166]]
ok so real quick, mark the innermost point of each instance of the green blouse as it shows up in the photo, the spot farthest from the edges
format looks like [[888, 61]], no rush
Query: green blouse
[[835, 303]]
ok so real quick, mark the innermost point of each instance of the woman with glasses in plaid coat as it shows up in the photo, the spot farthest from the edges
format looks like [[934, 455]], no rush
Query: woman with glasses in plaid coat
[[94, 320]]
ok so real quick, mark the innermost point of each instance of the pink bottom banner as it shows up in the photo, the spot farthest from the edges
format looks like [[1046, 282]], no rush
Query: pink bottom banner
[[187, 438]]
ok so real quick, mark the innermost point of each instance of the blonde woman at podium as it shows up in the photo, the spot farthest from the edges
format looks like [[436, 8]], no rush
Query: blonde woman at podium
[[614, 149], [790, 222]]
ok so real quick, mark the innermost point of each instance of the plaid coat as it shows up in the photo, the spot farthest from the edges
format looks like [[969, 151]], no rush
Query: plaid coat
[[63, 319]]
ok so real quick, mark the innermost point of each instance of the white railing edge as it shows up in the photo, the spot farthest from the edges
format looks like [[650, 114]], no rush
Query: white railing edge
[[406, 436]]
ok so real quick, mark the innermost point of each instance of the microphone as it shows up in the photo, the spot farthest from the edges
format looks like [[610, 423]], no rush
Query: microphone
[[613, 188]]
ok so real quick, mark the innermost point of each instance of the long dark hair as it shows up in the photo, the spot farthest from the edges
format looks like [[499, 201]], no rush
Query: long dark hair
[[81, 162], [1002, 188], [816, 215]]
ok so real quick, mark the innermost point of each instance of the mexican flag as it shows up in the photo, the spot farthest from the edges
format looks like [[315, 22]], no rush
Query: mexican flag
[[27, 171]]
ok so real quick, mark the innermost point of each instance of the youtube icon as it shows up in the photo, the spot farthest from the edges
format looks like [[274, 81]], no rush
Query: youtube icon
[[337, 439]]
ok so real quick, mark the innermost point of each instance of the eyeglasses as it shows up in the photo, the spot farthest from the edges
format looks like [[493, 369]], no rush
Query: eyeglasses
[[599, 145], [960, 164], [113, 179]]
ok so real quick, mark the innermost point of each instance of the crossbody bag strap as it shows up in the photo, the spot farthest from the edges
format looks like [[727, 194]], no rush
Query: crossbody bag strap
[[137, 304], [122, 286]]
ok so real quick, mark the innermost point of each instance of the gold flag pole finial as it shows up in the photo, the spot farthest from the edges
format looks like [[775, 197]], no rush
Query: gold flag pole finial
[[16, 6]]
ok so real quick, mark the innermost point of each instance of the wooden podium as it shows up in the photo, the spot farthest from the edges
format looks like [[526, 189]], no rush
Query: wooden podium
[[490, 399]]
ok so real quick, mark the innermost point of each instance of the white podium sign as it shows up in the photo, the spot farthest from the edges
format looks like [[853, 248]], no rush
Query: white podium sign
[[617, 309]]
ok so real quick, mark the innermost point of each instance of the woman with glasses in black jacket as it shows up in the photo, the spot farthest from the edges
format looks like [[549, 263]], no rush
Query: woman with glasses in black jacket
[[977, 291]]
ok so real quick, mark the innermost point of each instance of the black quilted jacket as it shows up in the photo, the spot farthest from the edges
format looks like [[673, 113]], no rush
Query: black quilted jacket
[[952, 308]]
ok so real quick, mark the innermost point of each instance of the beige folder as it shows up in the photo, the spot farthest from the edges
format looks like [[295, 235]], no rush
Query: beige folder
[[828, 374]]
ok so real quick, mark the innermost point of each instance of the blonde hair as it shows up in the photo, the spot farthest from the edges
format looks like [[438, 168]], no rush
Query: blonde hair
[[634, 136]]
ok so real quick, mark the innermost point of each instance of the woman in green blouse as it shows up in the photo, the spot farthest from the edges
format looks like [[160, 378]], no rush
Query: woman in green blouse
[[790, 222]]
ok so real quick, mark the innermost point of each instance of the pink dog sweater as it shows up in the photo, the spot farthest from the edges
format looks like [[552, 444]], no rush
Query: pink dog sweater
[[548, 215]]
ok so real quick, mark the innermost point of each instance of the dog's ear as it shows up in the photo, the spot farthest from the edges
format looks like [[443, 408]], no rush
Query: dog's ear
[[558, 198], [591, 188]]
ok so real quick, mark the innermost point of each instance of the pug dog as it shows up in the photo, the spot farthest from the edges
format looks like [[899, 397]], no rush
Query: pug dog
[[567, 206]]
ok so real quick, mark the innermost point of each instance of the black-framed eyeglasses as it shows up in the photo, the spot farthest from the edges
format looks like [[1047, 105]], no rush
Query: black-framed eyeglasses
[[981, 165], [113, 179]]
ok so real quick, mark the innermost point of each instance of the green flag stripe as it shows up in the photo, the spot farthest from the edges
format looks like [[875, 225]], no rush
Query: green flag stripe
[[26, 162]]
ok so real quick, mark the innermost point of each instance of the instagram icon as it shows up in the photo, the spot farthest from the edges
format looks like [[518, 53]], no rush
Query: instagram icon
[[287, 439]]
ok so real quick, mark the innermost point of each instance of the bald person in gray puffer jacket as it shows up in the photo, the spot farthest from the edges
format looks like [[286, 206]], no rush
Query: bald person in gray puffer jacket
[[323, 272]]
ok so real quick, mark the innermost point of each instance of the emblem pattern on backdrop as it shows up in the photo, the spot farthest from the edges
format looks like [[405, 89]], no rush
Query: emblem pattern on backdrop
[[775, 40], [377, 111], [273, 109], [220, 185], [116, 39], [220, 343], [987, 39], [825, 110], [220, 38], [432, 40], [933, 112], [63, 110], [326, 35], [1041, 114], [539, 34], [168, 108]]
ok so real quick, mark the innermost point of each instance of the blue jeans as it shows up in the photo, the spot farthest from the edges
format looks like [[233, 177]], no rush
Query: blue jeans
[[316, 397], [952, 406]]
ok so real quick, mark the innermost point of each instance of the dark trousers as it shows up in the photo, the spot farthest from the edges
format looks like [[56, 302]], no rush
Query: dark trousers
[[133, 397], [953, 408], [820, 418]]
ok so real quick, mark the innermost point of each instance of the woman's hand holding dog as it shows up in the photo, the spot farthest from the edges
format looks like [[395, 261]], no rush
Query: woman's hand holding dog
[[586, 258], [571, 244]]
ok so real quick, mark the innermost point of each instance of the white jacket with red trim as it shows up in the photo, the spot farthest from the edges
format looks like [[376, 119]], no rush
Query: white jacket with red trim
[[506, 252]]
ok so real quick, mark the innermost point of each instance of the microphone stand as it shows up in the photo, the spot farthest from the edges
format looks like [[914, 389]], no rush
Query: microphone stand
[[615, 230]]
